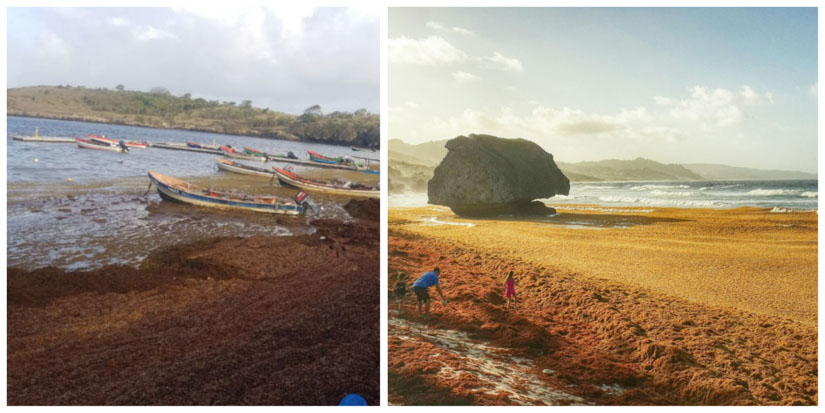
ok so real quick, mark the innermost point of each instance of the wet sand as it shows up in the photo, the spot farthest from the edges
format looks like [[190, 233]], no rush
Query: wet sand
[[620, 306], [263, 320]]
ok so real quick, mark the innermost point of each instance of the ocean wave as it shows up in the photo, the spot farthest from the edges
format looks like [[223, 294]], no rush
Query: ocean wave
[[810, 194], [586, 187], [776, 192], [662, 202], [667, 193], [647, 187]]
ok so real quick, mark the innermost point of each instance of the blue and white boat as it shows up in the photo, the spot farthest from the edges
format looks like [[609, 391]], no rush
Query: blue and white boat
[[173, 189]]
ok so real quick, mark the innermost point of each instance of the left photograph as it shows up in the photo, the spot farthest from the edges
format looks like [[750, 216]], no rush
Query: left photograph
[[193, 206]]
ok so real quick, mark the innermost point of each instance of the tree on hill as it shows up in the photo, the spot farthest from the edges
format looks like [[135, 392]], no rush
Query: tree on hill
[[120, 88], [157, 90]]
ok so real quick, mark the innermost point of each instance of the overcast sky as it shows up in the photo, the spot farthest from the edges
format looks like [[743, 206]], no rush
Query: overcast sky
[[286, 59], [715, 85]]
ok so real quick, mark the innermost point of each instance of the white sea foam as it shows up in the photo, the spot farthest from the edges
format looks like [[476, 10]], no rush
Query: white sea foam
[[647, 187], [810, 194], [663, 202], [670, 193], [774, 192], [603, 209]]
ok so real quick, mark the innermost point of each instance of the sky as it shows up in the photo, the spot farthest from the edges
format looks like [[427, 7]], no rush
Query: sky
[[286, 58], [735, 86]]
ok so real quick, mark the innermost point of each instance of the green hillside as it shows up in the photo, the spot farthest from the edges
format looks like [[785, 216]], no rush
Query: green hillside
[[160, 109]]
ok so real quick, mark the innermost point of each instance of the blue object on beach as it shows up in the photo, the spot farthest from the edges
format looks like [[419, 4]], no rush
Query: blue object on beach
[[353, 399]]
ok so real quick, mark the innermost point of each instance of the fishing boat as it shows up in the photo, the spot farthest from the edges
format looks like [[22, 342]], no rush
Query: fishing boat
[[173, 189], [253, 152], [332, 187], [89, 144], [361, 149], [240, 155], [239, 168], [196, 145], [105, 140], [315, 156]]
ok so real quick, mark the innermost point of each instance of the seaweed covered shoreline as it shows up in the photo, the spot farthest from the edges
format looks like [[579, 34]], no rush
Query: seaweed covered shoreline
[[227, 321], [581, 338]]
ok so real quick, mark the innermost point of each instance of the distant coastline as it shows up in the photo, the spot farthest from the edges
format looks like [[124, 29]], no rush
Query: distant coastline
[[159, 109]]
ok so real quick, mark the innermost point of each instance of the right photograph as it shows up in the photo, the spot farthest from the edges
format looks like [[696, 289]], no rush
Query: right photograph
[[602, 206]]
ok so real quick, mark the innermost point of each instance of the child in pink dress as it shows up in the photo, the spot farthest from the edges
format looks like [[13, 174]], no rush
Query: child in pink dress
[[510, 290]]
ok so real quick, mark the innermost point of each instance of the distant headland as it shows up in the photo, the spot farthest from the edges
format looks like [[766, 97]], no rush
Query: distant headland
[[158, 108]]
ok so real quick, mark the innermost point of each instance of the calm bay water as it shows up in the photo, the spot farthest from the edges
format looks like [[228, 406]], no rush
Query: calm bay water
[[105, 216]]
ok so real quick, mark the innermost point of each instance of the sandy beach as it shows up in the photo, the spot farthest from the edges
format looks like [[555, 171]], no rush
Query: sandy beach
[[225, 321], [619, 306]]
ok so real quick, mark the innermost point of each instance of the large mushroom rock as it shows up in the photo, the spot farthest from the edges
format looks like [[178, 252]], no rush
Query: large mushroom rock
[[484, 175]]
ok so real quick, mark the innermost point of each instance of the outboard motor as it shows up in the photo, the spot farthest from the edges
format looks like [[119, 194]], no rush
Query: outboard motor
[[291, 155], [302, 199], [123, 146]]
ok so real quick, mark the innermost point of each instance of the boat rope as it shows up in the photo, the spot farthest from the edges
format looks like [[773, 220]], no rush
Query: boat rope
[[149, 188]]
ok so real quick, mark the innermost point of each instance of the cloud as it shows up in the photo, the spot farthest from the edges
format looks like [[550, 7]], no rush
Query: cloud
[[719, 107], [432, 51], [286, 60], [464, 31], [499, 61], [465, 77], [438, 26], [117, 21], [54, 46], [543, 121], [813, 91], [145, 33], [435, 25]]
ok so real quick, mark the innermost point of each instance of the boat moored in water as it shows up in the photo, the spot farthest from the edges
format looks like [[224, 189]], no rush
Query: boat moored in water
[[104, 140], [89, 144]]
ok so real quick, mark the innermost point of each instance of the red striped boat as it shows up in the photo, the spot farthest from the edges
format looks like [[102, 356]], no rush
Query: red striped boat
[[104, 140]]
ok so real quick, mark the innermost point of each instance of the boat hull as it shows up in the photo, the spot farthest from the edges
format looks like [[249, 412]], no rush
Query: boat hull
[[85, 144], [315, 187], [108, 141], [174, 194], [230, 166], [237, 155]]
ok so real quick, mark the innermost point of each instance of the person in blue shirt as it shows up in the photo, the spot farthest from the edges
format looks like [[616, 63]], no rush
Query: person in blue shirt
[[420, 287]]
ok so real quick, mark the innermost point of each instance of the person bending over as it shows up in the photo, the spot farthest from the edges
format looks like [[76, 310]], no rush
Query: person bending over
[[420, 287]]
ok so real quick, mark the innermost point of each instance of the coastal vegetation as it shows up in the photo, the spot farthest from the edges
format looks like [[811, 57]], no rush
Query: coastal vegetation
[[159, 108]]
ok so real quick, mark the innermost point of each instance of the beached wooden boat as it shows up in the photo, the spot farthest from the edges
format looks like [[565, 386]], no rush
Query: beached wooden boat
[[173, 189], [336, 188], [239, 168], [105, 140], [89, 144]]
